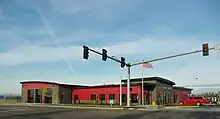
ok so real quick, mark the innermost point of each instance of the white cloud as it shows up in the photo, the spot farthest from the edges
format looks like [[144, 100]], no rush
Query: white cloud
[[106, 10], [145, 46], [73, 6], [4, 16], [77, 80], [206, 70], [29, 54]]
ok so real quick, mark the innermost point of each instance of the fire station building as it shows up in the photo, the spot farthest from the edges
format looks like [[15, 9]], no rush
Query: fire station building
[[156, 89]]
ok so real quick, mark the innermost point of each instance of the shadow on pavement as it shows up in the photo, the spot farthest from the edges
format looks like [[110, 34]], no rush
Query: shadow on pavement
[[34, 115], [205, 115], [136, 115]]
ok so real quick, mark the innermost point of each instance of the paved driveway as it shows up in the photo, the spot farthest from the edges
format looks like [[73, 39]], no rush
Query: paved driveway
[[25, 112]]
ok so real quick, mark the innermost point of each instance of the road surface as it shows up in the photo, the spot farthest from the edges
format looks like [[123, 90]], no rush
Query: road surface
[[25, 112]]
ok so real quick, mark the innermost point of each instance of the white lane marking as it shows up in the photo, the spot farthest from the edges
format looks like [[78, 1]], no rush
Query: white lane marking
[[14, 110], [17, 111]]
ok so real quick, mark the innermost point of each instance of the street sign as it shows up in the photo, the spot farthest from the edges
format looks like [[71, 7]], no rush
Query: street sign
[[44, 90]]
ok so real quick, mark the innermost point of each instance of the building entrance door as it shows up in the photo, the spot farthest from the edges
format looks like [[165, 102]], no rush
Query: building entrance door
[[148, 97], [30, 96], [38, 96]]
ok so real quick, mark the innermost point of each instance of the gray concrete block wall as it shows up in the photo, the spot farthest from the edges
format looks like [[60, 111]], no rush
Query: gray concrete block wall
[[24, 94], [66, 91], [55, 95]]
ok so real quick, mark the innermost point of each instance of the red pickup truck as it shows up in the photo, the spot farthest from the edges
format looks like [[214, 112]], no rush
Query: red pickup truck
[[195, 100]]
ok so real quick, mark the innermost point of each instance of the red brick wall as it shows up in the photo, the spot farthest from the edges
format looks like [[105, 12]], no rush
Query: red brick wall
[[34, 85]]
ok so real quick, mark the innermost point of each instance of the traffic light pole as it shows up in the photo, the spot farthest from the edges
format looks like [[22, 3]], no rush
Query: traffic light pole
[[157, 59], [119, 61], [217, 47], [128, 86], [168, 57]]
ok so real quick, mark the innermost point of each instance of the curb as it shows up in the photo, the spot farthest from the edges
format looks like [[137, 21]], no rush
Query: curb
[[57, 106], [78, 107], [170, 107]]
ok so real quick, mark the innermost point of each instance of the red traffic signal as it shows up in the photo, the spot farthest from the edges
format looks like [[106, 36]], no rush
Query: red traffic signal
[[205, 49]]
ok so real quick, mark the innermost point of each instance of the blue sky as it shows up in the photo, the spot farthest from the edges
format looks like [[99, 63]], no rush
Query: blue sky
[[43, 39]]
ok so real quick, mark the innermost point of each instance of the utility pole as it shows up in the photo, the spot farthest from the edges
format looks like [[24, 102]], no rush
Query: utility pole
[[120, 100]]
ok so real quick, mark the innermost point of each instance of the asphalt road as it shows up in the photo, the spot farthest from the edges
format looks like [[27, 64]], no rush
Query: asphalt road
[[18, 112]]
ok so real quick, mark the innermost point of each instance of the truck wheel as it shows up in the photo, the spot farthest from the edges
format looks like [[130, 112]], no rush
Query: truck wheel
[[181, 103], [198, 103]]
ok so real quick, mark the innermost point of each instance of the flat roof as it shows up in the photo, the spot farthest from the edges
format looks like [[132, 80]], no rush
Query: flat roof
[[163, 80], [48, 82], [160, 79], [181, 88]]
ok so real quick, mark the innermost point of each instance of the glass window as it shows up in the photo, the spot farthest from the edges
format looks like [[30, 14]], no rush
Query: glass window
[[134, 98], [93, 97], [124, 98], [111, 96], [39, 91], [49, 91], [198, 98], [75, 97], [102, 96], [31, 92]]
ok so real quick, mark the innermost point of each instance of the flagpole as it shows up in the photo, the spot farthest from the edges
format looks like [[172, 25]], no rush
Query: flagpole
[[121, 76], [142, 84]]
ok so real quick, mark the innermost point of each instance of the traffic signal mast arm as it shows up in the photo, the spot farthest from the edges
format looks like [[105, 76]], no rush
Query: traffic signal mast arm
[[112, 58], [168, 57]]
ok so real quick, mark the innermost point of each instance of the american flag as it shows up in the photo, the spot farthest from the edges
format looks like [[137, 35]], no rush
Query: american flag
[[147, 65]]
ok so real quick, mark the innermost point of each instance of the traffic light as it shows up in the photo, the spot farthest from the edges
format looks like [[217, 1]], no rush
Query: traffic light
[[122, 62], [85, 52], [104, 54], [205, 49]]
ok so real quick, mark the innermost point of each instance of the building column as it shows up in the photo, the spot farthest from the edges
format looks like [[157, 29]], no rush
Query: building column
[[43, 96], [34, 95], [154, 96], [24, 96], [56, 95]]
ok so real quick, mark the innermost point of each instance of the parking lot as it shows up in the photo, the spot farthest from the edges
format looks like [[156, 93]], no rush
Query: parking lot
[[25, 112]]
